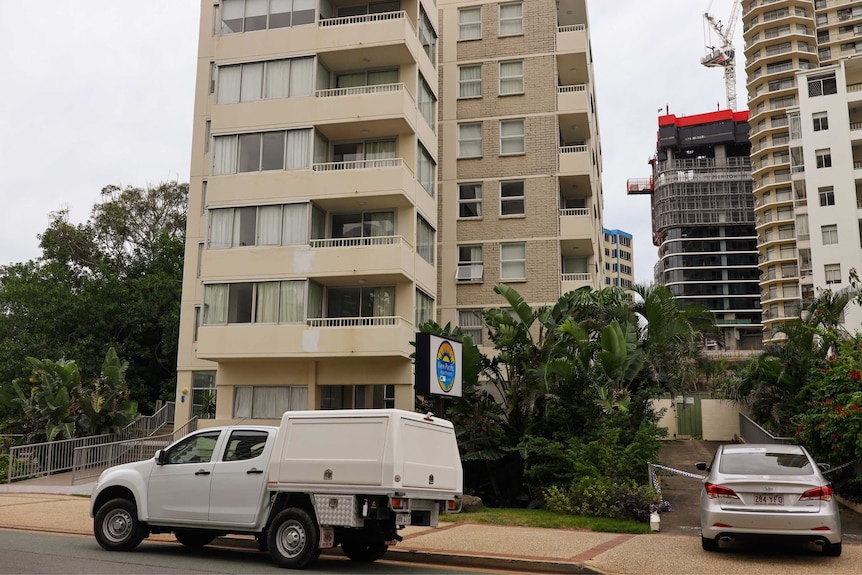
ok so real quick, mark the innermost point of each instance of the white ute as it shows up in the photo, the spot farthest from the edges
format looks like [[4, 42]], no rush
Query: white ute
[[321, 479]]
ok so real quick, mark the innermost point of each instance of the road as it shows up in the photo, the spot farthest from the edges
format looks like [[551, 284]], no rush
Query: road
[[25, 552]]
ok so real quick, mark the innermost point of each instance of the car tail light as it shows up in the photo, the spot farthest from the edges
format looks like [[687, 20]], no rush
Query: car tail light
[[453, 505], [714, 491], [398, 503], [823, 493]]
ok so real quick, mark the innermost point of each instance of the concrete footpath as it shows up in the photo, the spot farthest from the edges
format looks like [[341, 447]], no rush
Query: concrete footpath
[[496, 548]]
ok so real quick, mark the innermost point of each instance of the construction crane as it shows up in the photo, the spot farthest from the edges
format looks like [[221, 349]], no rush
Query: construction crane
[[723, 55]]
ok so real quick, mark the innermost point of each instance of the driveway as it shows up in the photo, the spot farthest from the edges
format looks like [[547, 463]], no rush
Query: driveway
[[683, 493]]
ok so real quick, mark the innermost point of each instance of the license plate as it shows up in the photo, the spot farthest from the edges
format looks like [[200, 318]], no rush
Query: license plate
[[402, 519], [769, 500]]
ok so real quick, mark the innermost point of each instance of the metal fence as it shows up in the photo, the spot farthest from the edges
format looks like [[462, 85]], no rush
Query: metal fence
[[89, 461], [751, 432], [52, 457]]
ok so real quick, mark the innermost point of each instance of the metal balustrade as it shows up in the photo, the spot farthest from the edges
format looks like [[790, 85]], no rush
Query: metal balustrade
[[359, 90], [353, 321], [575, 212], [358, 165], [355, 242]]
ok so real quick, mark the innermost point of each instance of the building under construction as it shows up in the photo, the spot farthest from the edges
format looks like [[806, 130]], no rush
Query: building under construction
[[703, 220]]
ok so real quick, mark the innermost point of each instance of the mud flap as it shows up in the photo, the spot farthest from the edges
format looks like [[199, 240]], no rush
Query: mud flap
[[327, 537]]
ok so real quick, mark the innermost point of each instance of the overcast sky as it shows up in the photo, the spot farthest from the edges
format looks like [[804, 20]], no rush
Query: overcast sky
[[102, 93]]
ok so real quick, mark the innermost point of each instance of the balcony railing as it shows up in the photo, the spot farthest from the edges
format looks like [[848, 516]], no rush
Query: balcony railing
[[573, 149], [573, 88], [355, 242], [353, 321], [359, 90], [358, 165], [365, 18], [575, 212], [577, 277], [572, 28]]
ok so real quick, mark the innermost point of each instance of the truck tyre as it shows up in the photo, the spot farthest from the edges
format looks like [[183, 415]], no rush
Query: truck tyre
[[194, 537], [293, 539], [364, 551], [116, 526]]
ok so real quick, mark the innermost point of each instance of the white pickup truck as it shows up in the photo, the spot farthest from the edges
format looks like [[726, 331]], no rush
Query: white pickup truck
[[322, 478]]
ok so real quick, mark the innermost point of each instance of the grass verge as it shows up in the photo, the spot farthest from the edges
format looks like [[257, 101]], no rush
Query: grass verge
[[546, 519]]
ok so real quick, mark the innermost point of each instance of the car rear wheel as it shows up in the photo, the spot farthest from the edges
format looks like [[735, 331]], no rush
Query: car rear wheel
[[832, 549], [708, 544]]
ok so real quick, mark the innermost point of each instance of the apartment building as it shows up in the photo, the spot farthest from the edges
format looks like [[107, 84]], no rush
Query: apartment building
[[703, 221], [311, 239], [784, 41], [826, 153], [619, 259], [520, 197]]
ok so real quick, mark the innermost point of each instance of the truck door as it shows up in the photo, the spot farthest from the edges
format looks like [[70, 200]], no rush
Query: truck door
[[180, 489], [239, 481]]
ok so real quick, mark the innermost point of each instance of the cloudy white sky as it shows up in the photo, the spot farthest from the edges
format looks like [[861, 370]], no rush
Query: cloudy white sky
[[102, 93]]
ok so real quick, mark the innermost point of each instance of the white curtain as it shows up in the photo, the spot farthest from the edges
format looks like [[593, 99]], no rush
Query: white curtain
[[267, 303], [378, 224], [512, 264], [215, 304], [292, 302], [242, 402], [470, 24], [298, 149], [469, 140], [269, 226], [470, 78], [512, 137], [511, 19], [229, 80], [295, 225], [302, 77], [424, 239], [298, 398], [511, 77], [351, 80], [224, 156], [383, 77], [277, 79], [380, 149], [384, 301], [427, 104], [252, 82], [270, 402], [221, 226]]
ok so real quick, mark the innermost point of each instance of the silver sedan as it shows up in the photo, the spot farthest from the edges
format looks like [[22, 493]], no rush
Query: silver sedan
[[754, 490]]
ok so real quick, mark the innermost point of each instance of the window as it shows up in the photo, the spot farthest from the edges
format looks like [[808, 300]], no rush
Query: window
[[363, 225], [833, 273], [244, 445], [262, 151], [470, 322], [827, 196], [207, 135], [204, 197], [426, 169], [258, 226], [830, 234], [470, 23], [424, 240], [427, 36], [470, 140], [470, 81], [424, 307], [268, 402], [513, 261], [427, 103], [359, 154], [824, 158], [511, 19], [203, 394], [470, 266], [265, 80], [821, 121], [512, 77], [512, 137], [264, 302], [197, 448], [360, 302], [367, 78], [512, 198], [822, 85], [470, 200], [249, 15]]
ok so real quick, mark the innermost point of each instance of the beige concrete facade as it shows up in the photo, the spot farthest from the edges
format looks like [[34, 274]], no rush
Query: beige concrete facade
[[529, 213], [310, 250]]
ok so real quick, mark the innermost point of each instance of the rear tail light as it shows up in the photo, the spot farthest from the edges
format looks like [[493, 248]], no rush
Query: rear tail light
[[823, 493], [398, 503], [714, 491], [453, 505]]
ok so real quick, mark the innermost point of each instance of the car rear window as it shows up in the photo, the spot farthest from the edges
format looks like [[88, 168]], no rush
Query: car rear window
[[765, 463]]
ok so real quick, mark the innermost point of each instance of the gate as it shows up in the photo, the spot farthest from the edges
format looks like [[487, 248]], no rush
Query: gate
[[688, 412]]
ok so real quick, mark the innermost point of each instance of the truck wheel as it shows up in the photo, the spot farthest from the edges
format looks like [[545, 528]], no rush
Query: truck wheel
[[194, 537], [293, 539], [116, 526], [364, 551]]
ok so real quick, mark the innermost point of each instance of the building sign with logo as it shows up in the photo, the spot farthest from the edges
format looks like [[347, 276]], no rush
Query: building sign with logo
[[438, 365]]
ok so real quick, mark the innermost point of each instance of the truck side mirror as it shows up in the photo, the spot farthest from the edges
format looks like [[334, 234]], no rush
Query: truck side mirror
[[161, 457]]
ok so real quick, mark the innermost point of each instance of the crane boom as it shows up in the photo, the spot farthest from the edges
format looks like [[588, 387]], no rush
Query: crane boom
[[724, 56]]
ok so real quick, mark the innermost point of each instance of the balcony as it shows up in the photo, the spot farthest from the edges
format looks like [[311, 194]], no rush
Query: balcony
[[316, 337], [576, 223], [571, 282], [573, 99], [571, 39], [575, 160]]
